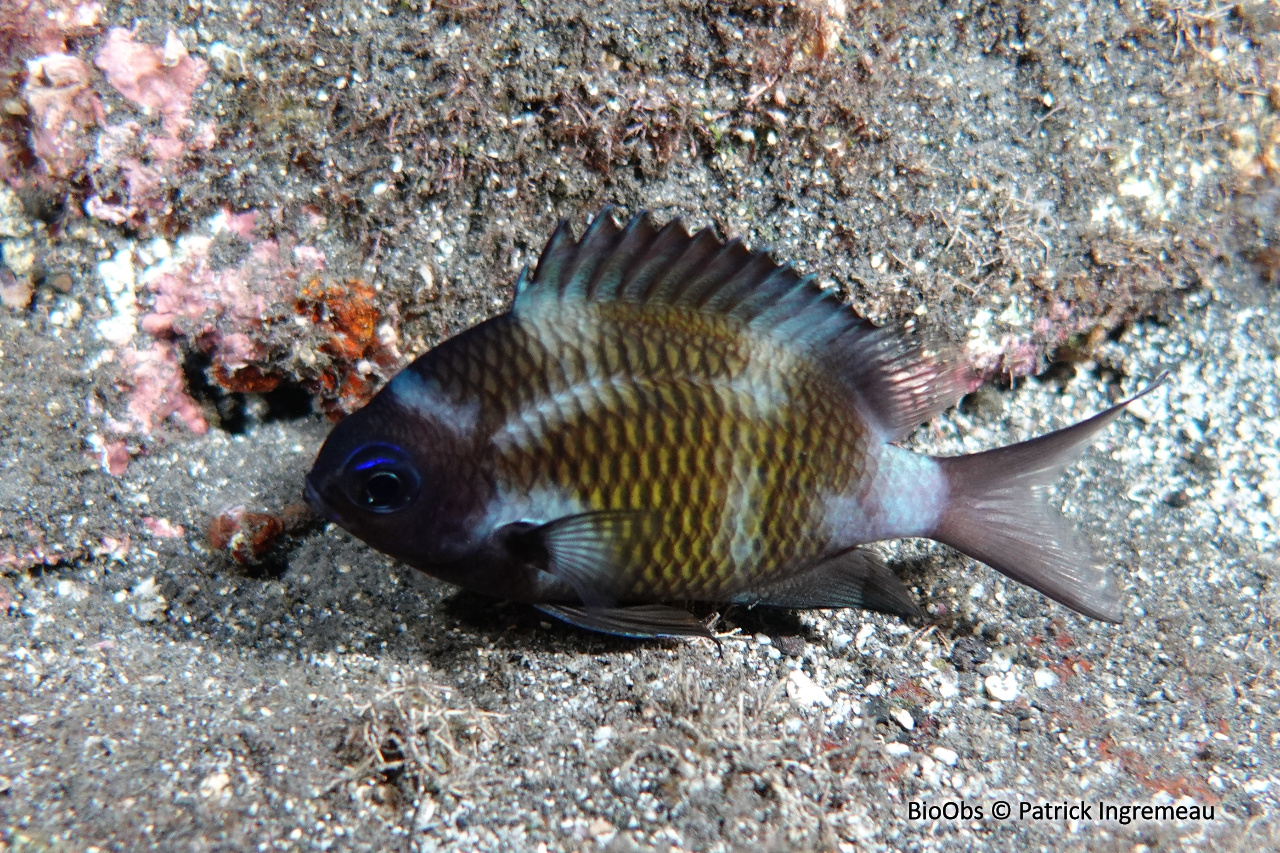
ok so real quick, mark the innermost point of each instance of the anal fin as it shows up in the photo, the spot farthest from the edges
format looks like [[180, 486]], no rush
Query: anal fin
[[640, 621], [853, 578]]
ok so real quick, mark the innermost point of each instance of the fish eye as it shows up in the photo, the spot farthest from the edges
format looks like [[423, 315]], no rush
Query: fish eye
[[380, 478]]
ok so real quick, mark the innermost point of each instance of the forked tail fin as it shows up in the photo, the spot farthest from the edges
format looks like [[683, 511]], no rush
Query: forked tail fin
[[997, 513]]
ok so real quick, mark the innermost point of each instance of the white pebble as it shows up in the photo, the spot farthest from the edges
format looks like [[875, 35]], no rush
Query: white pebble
[[946, 756], [1003, 688], [805, 692], [72, 590], [1045, 678], [216, 785], [903, 718]]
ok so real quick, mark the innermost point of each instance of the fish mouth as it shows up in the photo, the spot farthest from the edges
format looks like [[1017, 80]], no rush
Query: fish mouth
[[318, 504]]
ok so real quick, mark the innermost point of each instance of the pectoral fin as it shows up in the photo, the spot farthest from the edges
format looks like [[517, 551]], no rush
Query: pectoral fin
[[854, 578], [642, 621], [588, 552]]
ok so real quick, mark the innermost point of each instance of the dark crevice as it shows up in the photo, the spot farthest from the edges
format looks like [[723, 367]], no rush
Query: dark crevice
[[236, 412]]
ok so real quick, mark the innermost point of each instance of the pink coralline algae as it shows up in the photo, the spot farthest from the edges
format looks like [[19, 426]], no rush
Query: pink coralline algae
[[137, 165], [122, 149], [62, 107], [132, 166], [1018, 358], [113, 548], [34, 27], [162, 528], [161, 79], [114, 456], [157, 389], [223, 310], [235, 314]]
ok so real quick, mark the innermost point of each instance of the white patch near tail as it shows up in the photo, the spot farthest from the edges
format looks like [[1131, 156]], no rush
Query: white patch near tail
[[906, 498]]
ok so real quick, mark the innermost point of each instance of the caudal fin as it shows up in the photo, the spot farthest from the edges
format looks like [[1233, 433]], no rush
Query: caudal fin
[[997, 513]]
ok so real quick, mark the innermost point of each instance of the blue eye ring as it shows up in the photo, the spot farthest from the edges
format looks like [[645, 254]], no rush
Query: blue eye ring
[[380, 478]]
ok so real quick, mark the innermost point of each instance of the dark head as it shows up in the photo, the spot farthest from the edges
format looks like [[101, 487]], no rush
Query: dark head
[[402, 474]]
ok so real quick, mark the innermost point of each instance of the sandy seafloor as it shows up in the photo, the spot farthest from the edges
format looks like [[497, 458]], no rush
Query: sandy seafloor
[[1081, 192]]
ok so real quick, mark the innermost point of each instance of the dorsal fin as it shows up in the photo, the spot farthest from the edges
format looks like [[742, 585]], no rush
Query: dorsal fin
[[901, 381]]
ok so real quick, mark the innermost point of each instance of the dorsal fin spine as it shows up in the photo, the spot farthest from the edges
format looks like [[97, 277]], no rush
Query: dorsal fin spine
[[722, 266], [701, 249], [633, 240], [593, 249], [672, 238], [792, 309], [729, 297], [551, 264], [761, 301]]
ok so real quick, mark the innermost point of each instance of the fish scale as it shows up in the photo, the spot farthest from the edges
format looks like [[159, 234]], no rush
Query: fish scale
[[665, 417], [676, 427], [827, 441]]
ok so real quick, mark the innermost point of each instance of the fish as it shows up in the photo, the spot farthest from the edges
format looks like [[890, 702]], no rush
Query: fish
[[664, 418]]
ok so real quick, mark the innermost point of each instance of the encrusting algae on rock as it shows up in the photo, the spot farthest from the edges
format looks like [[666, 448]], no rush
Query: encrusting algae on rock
[[665, 417]]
